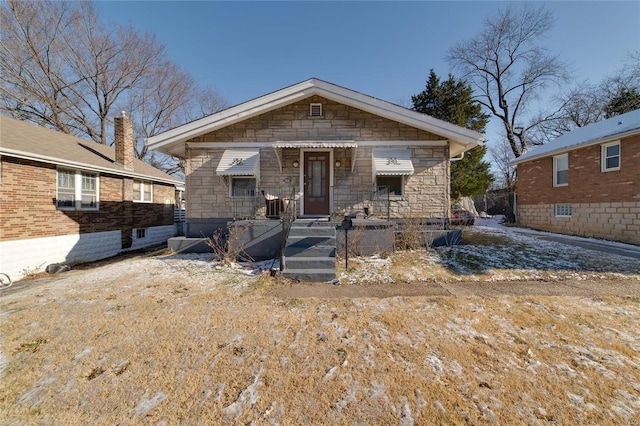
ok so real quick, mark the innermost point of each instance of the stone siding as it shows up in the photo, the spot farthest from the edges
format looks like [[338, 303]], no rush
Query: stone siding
[[426, 191]]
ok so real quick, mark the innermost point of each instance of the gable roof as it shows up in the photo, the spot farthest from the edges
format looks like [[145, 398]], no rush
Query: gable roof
[[173, 141], [31, 142], [614, 128]]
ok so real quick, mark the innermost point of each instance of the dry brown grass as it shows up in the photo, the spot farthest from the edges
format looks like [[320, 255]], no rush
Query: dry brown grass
[[160, 340]]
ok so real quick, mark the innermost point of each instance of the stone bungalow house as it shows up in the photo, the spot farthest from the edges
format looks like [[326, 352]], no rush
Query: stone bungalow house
[[586, 182], [322, 149], [64, 199]]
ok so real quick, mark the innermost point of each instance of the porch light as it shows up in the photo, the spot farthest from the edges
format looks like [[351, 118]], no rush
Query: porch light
[[338, 163], [296, 163]]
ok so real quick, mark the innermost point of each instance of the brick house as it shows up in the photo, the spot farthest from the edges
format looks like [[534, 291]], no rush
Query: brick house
[[586, 182], [64, 199], [336, 150]]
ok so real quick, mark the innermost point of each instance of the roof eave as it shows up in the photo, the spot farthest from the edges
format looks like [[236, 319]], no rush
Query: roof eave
[[170, 141], [74, 164], [573, 147]]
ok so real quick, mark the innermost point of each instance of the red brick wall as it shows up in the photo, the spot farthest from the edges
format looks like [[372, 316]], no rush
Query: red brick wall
[[28, 204], [587, 184]]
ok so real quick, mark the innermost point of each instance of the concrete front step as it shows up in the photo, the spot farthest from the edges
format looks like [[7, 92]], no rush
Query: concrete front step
[[310, 274], [312, 231], [310, 263], [309, 254]]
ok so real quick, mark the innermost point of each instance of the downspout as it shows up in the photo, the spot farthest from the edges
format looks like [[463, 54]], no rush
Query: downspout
[[457, 158]]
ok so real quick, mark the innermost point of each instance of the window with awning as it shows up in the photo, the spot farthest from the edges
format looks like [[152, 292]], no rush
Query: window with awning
[[390, 166], [241, 168]]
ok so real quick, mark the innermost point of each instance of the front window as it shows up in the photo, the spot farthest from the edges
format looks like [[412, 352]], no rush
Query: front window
[[561, 170], [243, 187], [611, 157], [562, 210], [77, 190], [393, 184], [142, 191]]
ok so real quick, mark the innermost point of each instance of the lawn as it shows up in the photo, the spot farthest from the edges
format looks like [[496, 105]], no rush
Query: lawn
[[181, 339]]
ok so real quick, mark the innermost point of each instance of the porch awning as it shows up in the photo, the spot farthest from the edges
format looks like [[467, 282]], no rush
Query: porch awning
[[392, 161], [316, 144], [239, 162]]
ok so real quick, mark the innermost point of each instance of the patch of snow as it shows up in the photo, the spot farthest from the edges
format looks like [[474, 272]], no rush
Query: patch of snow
[[147, 404], [248, 397]]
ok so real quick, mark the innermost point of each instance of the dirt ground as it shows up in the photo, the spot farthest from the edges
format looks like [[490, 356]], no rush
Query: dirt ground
[[610, 287]]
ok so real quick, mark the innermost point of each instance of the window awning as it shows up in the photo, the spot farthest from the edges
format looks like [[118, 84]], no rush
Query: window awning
[[239, 162], [279, 146], [316, 144], [392, 161]]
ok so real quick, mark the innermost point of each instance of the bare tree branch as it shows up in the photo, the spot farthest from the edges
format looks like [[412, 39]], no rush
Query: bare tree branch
[[509, 69]]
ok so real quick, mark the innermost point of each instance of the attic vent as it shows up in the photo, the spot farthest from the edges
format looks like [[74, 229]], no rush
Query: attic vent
[[315, 110]]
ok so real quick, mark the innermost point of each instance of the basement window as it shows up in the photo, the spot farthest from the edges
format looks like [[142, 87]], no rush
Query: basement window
[[141, 233], [562, 210], [315, 110]]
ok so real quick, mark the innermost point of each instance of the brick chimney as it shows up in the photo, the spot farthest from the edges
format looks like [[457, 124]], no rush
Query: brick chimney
[[123, 130]]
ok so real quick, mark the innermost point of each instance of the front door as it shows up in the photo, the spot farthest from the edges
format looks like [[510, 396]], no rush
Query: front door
[[316, 183]]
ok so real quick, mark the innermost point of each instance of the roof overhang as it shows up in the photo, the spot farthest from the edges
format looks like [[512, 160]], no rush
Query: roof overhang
[[173, 141], [565, 149], [82, 166]]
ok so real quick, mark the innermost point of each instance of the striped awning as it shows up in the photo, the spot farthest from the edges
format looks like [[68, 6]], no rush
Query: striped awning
[[239, 162], [316, 144], [392, 161]]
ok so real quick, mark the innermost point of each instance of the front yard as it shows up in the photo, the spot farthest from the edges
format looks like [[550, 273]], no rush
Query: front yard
[[171, 339]]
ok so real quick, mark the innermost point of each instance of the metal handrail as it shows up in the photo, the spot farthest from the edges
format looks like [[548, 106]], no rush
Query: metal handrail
[[287, 217]]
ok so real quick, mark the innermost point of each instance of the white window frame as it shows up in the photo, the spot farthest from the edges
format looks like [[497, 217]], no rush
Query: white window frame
[[604, 157], [562, 210], [402, 183], [555, 170], [78, 176], [143, 184], [233, 178]]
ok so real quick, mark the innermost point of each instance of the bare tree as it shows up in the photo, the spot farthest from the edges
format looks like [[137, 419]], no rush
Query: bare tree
[[589, 103], [502, 155], [509, 70], [62, 68]]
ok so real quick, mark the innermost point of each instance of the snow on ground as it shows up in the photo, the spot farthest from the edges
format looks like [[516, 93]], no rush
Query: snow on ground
[[170, 338], [496, 253]]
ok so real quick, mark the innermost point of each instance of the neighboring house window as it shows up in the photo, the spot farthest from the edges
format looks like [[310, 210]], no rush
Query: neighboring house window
[[611, 157], [77, 190], [562, 210], [561, 170], [142, 191], [243, 187], [141, 233], [393, 183]]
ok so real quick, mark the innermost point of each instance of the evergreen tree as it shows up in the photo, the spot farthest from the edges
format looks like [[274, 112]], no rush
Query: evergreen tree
[[626, 100], [452, 101]]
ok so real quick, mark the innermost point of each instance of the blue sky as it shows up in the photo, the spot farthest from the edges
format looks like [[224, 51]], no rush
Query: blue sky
[[383, 49]]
